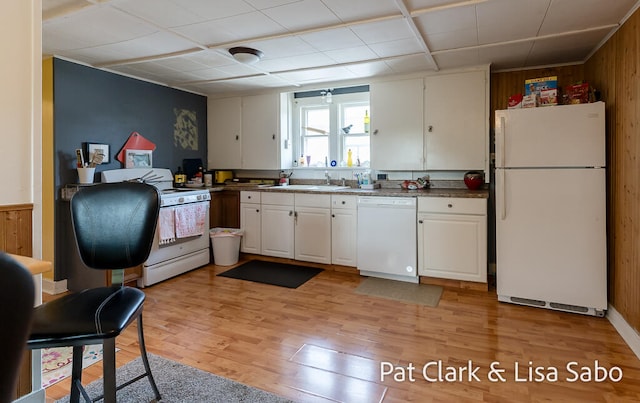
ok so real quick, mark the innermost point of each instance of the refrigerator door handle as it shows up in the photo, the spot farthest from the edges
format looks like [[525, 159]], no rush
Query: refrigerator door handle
[[503, 139], [503, 192]]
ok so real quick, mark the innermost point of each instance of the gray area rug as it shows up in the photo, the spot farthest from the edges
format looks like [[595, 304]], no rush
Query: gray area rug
[[179, 383], [422, 294]]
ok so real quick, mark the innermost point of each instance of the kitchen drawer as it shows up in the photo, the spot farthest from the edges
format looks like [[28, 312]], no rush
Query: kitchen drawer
[[276, 198], [249, 197], [343, 202], [313, 200], [452, 205]]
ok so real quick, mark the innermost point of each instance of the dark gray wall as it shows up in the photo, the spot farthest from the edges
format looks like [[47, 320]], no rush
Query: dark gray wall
[[95, 106]]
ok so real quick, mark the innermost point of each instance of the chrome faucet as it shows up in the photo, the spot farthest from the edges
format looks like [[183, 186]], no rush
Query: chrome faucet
[[326, 175]]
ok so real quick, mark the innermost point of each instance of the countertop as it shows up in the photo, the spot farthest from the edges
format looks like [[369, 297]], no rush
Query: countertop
[[392, 192], [35, 266]]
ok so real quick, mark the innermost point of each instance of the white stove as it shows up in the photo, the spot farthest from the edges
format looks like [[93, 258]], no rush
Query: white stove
[[169, 258]]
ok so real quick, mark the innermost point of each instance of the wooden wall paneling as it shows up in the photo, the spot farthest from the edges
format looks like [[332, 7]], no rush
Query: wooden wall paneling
[[600, 72], [505, 84], [614, 71], [627, 192], [15, 229]]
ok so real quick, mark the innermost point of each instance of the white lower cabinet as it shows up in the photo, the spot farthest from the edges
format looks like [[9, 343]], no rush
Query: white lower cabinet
[[452, 238], [250, 222], [344, 229], [313, 227], [277, 224]]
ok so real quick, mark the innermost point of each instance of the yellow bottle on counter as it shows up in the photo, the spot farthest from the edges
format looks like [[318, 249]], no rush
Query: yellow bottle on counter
[[349, 158]]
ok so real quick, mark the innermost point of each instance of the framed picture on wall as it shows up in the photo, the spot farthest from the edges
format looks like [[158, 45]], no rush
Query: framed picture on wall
[[138, 158], [90, 150]]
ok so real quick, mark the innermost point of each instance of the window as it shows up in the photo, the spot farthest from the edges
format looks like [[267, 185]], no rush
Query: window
[[327, 131]]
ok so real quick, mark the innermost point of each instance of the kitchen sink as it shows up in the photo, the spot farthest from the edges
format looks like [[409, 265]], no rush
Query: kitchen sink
[[318, 188]]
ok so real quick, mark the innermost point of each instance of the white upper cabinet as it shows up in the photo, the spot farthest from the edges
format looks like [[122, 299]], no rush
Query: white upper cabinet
[[260, 139], [436, 122], [397, 124], [455, 116], [243, 132], [224, 117]]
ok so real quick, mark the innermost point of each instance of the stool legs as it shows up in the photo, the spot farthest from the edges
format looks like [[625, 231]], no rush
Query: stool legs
[[145, 360]]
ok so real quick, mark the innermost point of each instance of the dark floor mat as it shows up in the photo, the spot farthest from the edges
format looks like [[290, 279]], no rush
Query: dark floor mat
[[274, 273]]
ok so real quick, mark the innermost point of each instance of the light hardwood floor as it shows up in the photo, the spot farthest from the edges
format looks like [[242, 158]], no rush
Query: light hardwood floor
[[323, 342]]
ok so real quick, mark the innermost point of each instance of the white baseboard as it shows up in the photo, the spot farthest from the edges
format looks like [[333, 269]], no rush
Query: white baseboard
[[54, 287], [628, 333]]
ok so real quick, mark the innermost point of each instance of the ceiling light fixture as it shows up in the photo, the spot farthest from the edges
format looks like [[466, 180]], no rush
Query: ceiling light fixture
[[246, 55]]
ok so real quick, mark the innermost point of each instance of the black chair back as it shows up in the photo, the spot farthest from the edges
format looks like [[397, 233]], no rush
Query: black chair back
[[17, 293], [115, 223]]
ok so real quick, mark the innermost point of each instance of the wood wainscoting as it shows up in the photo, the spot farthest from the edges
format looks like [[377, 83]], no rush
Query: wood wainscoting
[[16, 237], [16, 231]]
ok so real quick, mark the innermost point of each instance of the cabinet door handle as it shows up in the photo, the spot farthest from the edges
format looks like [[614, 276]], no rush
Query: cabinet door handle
[[430, 129], [273, 137], [237, 137], [333, 216], [344, 202], [450, 205], [375, 131], [257, 211], [420, 221]]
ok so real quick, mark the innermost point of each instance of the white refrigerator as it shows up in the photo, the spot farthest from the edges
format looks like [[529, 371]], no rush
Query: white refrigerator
[[550, 193]]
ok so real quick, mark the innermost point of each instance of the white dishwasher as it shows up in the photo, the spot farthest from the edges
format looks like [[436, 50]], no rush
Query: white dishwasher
[[387, 244]]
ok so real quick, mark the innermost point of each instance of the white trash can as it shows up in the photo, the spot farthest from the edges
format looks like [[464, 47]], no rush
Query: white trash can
[[226, 245]]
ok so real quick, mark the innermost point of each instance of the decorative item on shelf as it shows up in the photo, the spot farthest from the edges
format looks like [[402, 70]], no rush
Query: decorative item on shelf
[[473, 179], [349, 158], [138, 158], [135, 142]]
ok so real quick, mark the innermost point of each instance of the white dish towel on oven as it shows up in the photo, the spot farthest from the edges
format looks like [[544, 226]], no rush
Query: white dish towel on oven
[[190, 220], [166, 226]]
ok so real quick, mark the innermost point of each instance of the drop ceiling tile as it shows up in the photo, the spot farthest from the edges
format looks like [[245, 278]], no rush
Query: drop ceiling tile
[[505, 20], [422, 4], [396, 48], [212, 58], [320, 75], [410, 64], [96, 55], [332, 39], [571, 15], [383, 31], [241, 27], [295, 62], [302, 14], [461, 38], [53, 8], [370, 69], [450, 60], [165, 13], [447, 20], [282, 47], [157, 43], [505, 56], [565, 49], [351, 54], [185, 63], [361, 9], [95, 26], [208, 74]]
